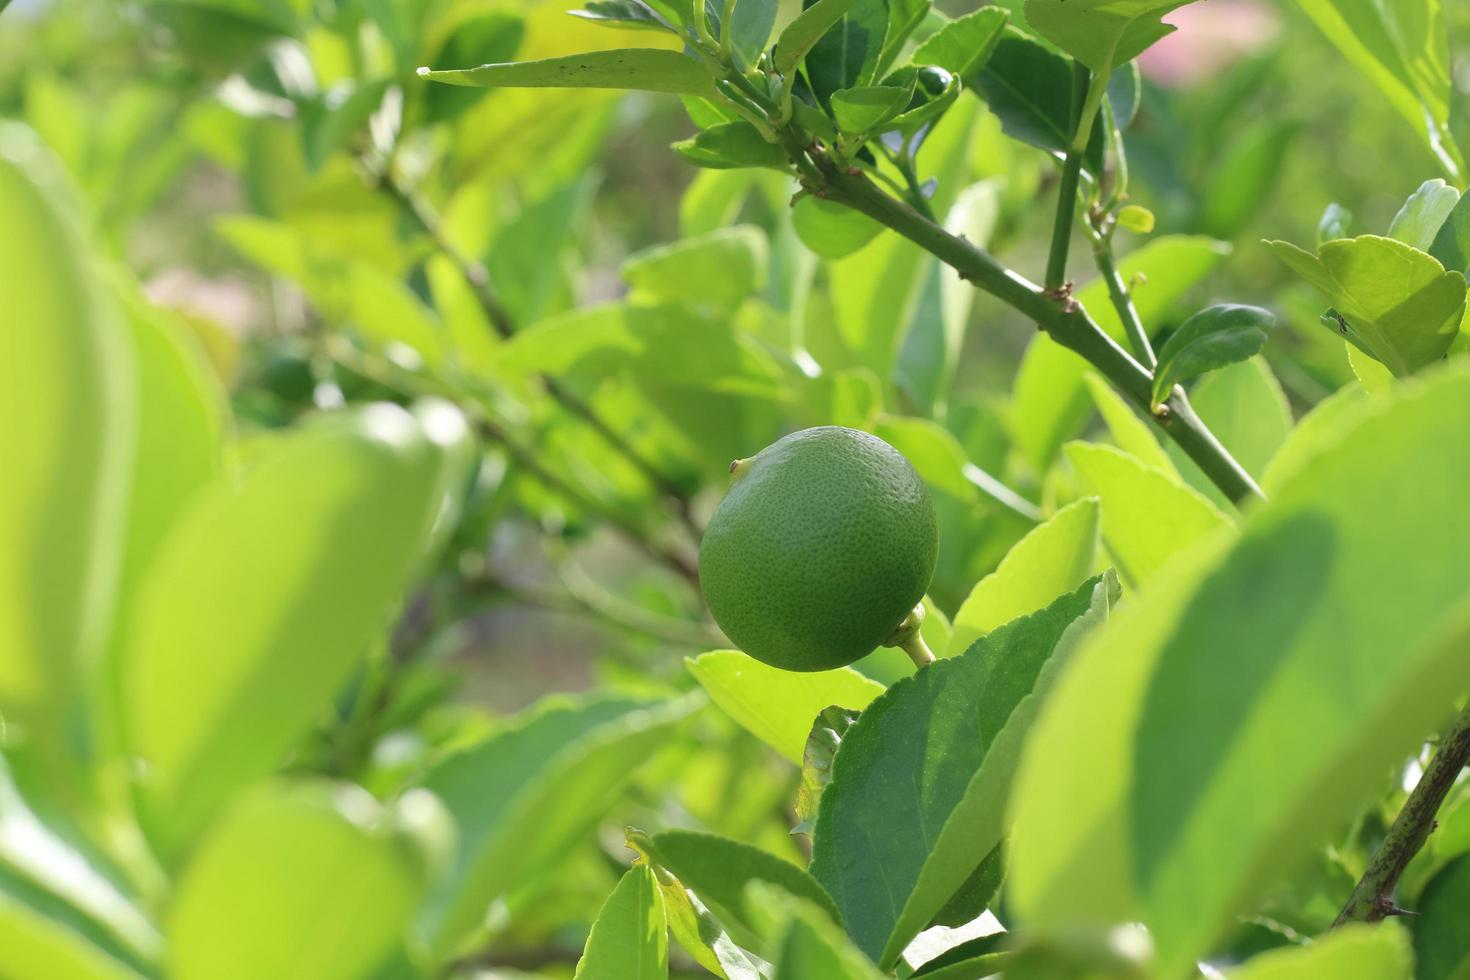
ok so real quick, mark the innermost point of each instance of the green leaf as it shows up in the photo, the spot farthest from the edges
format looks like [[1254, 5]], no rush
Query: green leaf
[[1029, 88], [972, 832], [1403, 49], [1336, 222], [1324, 426], [630, 939], [1397, 304], [847, 54], [66, 371], [865, 108], [827, 733], [1050, 402], [272, 580], [832, 230], [521, 797], [1214, 337], [732, 145], [44, 943], [802, 34], [1129, 431], [963, 45], [1452, 243], [1156, 785], [778, 706], [747, 27], [1441, 934], [1354, 952], [644, 69], [701, 935], [1052, 559], [1148, 517], [1418, 222], [720, 269], [308, 880], [1245, 408], [1102, 34], [718, 871], [811, 947], [905, 765], [1243, 176], [624, 13]]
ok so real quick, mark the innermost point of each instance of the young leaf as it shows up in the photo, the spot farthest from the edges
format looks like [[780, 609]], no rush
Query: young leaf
[[1148, 517], [1156, 787], [802, 34], [1050, 403], [1418, 222], [643, 69], [905, 765], [863, 109], [630, 939], [1354, 952], [1102, 34], [1052, 559], [308, 880], [832, 230], [1452, 243], [963, 45], [732, 145], [719, 872], [1209, 340], [847, 54], [522, 796], [777, 706], [747, 27], [286, 599], [66, 371], [1394, 302], [1441, 935]]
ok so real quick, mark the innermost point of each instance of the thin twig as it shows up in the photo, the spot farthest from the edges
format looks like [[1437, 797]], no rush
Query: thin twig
[[478, 277], [1122, 299], [1372, 899], [1061, 232]]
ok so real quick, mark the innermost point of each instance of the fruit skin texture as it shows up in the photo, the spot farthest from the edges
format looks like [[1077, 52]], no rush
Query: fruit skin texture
[[825, 541]]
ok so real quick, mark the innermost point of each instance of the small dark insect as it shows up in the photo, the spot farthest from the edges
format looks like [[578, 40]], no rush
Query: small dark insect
[[1342, 326]]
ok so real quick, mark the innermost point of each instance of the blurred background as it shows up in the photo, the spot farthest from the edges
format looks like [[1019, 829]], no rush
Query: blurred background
[[329, 229]]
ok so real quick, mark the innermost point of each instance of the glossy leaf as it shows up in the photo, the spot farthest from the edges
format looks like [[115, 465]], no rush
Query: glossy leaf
[[863, 109], [1211, 339], [65, 369], [630, 939], [1396, 304], [305, 880], [1156, 770], [778, 706], [522, 796], [847, 53], [905, 765], [1418, 222], [275, 584], [1050, 403], [1148, 517], [644, 69], [1052, 559], [1441, 934], [802, 34], [1354, 952], [1102, 34], [963, 45], [1029, 88]]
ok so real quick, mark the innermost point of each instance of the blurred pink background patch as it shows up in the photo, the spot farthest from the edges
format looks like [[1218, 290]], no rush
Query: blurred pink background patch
[[1211, 36]]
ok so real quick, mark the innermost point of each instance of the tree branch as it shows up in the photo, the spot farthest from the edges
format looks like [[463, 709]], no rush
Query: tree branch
[[1061, 232], [1372, 899]]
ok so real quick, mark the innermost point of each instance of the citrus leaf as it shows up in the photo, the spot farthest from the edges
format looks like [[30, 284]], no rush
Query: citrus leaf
[[1102, 34], [644, 69], [806, 30], [1354, 952], [630, 939], [522, 796], [906, 763], [732, 145], [1392, 301], [1052, 559], [847, 53], [832, 230], [1029, 88], [1209, 340], [1147, 516], [747, 27], [827, 733], [311, 879], [812, 947], [624, 13], [963, 45], [865, 108], [1156, 770], [1130, 432], [1418, 222], [1452, 242], [1441, 937], [778, 706], [720, 269], [1245, 408]]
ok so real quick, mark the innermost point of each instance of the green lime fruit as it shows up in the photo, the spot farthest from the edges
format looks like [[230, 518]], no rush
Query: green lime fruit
[[825, 541]]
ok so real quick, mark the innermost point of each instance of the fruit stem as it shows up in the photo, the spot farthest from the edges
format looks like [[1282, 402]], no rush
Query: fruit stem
[[918, 650], [909, 638]]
